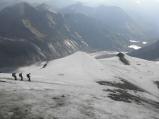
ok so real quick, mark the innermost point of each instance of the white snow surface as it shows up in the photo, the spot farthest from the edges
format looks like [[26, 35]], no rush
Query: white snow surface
[[135, 47], [134, 41], [67, 89], [144, 43]]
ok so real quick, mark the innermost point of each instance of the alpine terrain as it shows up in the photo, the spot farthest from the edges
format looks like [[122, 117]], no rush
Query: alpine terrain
[[79, 59], [83, 86]]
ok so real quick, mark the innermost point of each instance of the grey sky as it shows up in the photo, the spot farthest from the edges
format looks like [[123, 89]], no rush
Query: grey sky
[[108, 2], [147, 6], [122, 3]]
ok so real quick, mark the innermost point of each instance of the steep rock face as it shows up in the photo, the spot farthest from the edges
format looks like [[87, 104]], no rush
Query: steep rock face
[[37, 33], [95, 34], [149, 52], [15, 52]]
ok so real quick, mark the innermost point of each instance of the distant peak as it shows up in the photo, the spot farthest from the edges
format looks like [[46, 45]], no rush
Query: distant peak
[[19, 8], [22, 4], [77, 4], [104, 6]]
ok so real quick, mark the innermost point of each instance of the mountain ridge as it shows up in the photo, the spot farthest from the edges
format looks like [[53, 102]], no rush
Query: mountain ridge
[[115, 25], [57, 34], [44, 29], [149, 52]]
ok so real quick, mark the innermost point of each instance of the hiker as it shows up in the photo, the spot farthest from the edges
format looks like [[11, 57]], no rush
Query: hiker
[[21, 76], [14, 76], [29, 77], [44, 66]]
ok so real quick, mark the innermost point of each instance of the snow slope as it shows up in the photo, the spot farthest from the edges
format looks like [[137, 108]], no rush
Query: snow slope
[[83, 87]]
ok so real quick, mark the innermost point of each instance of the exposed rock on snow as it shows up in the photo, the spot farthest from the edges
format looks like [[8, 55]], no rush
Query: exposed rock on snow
[[123, 59], [157, 83]]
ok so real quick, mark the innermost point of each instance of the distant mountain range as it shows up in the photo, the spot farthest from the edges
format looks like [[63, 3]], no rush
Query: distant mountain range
[[30, 34], [150, 52], [103, 27]]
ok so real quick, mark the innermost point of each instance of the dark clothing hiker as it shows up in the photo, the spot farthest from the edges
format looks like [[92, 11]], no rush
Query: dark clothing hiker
[[14, 76], [29, 77], [21, 76]]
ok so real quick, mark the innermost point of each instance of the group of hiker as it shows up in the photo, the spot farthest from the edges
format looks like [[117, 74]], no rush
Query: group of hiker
[[21, 76]]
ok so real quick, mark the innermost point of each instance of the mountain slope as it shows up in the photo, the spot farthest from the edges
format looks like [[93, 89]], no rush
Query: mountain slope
[[92, 88], [44, 31], [96, 35], [149, 52], [116, 27], [50, 35]]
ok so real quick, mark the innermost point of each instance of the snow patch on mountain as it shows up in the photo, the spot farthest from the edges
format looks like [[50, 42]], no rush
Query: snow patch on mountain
[[134, 41], [135, 47], [144, 43]]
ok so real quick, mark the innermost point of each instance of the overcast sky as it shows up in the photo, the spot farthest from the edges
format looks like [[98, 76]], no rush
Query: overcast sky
[[145, 5], [122, 3], [108, 2], [148, 8]]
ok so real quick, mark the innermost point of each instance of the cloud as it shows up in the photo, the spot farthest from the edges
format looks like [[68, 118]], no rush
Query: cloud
[[144, 4], [138, 2]]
